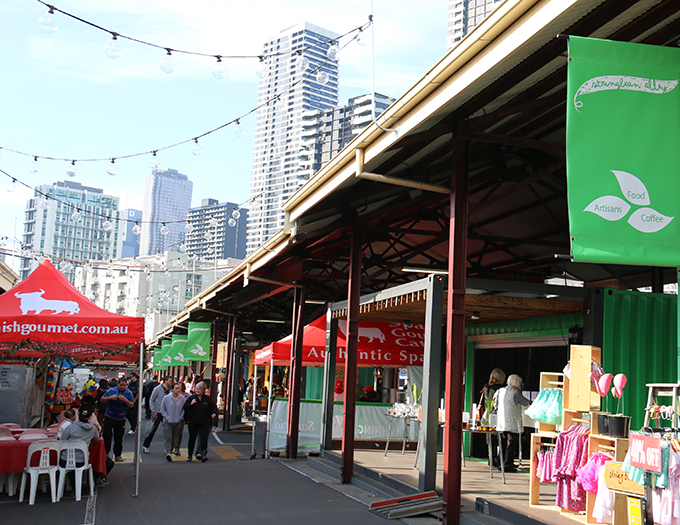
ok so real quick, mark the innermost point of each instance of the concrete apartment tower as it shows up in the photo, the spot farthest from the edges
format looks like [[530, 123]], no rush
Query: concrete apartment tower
[[167, 199], [464, 15], [73, 224], [278, 167], [218, 230]]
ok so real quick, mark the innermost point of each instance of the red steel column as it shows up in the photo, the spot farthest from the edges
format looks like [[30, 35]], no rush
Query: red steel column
[[455, 335], [295, 374], [349, 408], [213, 361], [229, 372]]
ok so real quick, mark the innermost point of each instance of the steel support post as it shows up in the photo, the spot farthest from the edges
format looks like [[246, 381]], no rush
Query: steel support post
[[349, 407], [455, 335], [213, 361], [237, 374], [329, 381], [429, 424], [229, 373], [295, 374]]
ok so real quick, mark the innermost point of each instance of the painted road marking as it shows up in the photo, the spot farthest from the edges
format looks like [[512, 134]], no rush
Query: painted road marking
[[226, 452]]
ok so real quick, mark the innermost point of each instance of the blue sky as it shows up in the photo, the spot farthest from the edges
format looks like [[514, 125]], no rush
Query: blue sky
[[61, 96]]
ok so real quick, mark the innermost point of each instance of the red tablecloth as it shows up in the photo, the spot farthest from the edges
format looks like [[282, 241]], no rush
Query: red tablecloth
[[13, 455]]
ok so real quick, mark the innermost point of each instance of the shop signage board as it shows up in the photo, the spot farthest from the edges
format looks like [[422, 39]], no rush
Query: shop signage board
[[645, 452], [623, 128], [617, 479]]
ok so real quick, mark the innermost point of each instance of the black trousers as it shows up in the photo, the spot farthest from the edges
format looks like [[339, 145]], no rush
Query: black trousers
[[132, 416], [510, 441], [115, 428], [202, 431], [156, 423]]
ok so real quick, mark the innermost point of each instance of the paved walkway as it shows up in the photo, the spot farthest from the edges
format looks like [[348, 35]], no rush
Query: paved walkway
[[228, 488]]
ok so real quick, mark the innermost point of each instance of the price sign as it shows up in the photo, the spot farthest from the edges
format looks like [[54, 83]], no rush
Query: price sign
[[618, 480], [645, 452]]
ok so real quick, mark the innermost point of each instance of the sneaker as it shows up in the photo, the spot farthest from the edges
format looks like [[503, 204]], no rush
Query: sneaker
[[204, 459], [119, 459], [189, 459], [168, 457], [176, 452], [99, 483], [199, 456], [130, 432], [145, 450]]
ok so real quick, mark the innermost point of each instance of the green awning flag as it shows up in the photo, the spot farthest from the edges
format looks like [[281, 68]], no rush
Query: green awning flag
[[623, 154], [179, 350], [161, 359], [198, 344]]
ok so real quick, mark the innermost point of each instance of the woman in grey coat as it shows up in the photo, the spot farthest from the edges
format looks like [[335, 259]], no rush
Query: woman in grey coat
[[509, 403]]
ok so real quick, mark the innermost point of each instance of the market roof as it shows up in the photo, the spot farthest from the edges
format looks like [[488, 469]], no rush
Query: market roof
[[502, 89]]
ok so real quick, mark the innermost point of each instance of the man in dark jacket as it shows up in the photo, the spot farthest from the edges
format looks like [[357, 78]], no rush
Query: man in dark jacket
[[133, 386], [199, 411], [148, 390]]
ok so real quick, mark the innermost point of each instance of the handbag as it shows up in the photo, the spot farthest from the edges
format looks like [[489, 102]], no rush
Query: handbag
[[479, 414]]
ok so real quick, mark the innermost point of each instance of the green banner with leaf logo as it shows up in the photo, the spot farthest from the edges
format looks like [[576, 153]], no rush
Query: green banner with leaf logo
[[198, 344], [623, 152], [179, 350], [161, 359]]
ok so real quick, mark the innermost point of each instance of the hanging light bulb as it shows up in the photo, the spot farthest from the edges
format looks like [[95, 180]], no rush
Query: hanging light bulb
[[213, 222], [167, 273], [33, 166], [63, 265], [175, 288], [362, 39], [112, 49], [168, 62], [231, 222], [106, 225], [147, 270], [112, 169], [154, 163], [44, 204], [136, 229], [183, 247], [164, 229], [188, 227], [235, 214], [47, 22], [71, 171], [263, 71], [322, 78], [332, 52], [148, 278], [239, 129], [301, 64], [219, 71], [197, 149], [208, 236], [10, 187], [76, 216]]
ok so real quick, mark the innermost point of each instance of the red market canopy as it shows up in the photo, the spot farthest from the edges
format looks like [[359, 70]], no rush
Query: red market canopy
[[380, 344], [45, 315]]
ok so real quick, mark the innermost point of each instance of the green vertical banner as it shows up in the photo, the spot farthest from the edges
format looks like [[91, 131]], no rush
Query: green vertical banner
[[166, 360], [623, 152], [178, 354], [158, 358], [198, 344]]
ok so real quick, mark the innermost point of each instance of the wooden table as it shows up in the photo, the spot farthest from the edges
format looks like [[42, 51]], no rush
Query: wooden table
[[490, 451]]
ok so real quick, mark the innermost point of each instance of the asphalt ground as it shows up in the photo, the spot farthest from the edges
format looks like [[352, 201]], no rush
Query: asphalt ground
[[228, 488]]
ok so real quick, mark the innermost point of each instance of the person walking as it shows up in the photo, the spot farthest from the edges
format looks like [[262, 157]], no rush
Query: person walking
[[172, 409], [509, 403], [118, 399], [155, 404], [133, 386], [148, 390], [180, 433], [199, 411]]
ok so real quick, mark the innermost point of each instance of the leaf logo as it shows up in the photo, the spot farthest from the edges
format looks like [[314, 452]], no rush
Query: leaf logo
[[198, 350], [611, 208]]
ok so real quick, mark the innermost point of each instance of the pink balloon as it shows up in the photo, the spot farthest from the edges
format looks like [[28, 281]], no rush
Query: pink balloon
[[619, 382], [602, 386]]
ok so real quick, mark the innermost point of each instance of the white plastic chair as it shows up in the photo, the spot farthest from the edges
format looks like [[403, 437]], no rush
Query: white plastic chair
[[9, 425], [71, 446], [47, 465]]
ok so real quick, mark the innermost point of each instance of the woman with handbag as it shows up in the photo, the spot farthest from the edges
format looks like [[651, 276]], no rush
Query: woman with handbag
[[495, 383]]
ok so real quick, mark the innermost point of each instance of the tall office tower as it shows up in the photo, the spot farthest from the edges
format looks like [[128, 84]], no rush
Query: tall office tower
[[167, 199], [328, 132], [130, 245], [217, 230], [291, 90], [464, 15], [74, 224]]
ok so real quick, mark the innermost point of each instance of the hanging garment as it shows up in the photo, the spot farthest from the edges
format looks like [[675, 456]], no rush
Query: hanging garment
[[588, 475], [544, 469], [603, 509], [547, 407], [571, 453]]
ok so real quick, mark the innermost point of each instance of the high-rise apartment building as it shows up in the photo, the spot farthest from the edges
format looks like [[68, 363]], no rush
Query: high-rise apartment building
[[217, 230], [72, 223], [278, 164], [464, 15], [328, 132], [167, 199], [130, 245]]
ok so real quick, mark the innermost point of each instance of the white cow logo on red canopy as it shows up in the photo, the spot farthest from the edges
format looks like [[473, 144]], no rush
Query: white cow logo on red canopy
[[35, 302]]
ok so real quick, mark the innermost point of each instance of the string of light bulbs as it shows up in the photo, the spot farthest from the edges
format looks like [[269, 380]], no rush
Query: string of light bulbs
[[301, 64], [48, 24]]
